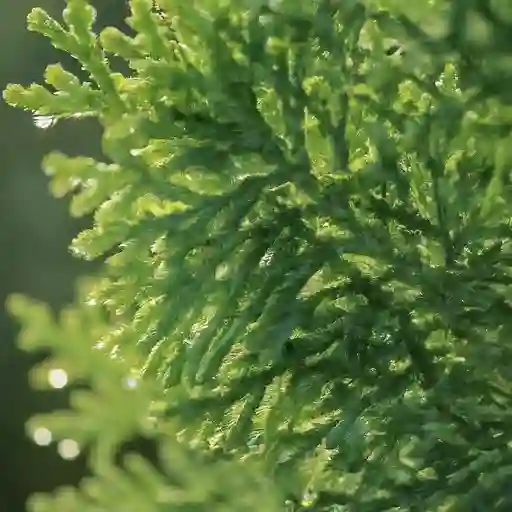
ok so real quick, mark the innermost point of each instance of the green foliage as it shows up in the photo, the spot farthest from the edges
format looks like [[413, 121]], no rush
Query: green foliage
[[307, 253], [117, 407]]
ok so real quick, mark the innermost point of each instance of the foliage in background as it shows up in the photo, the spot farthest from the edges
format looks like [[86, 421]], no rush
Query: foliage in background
[[307, 254]]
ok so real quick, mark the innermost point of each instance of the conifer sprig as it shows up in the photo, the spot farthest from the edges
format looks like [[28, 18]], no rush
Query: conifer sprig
[[308, 240]]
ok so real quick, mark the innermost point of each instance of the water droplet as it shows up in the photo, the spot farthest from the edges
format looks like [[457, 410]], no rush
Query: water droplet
[[57, 378], [130, 382], [68, 449], [42, 436], [44, 122]]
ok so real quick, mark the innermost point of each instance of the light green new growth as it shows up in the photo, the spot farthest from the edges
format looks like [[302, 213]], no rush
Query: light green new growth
[[117, 407], [307, 257]]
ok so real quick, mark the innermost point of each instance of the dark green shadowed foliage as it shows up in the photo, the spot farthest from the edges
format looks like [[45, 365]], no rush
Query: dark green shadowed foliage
[[304, 214]]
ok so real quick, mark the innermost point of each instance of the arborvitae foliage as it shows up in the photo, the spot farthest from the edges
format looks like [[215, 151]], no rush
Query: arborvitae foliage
[[307, 254]]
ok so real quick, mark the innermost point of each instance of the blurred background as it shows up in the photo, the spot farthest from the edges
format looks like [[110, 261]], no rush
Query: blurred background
[[35, 232]]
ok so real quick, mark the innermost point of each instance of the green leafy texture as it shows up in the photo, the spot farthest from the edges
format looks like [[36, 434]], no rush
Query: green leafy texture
[[117, 407], [308, 240]]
